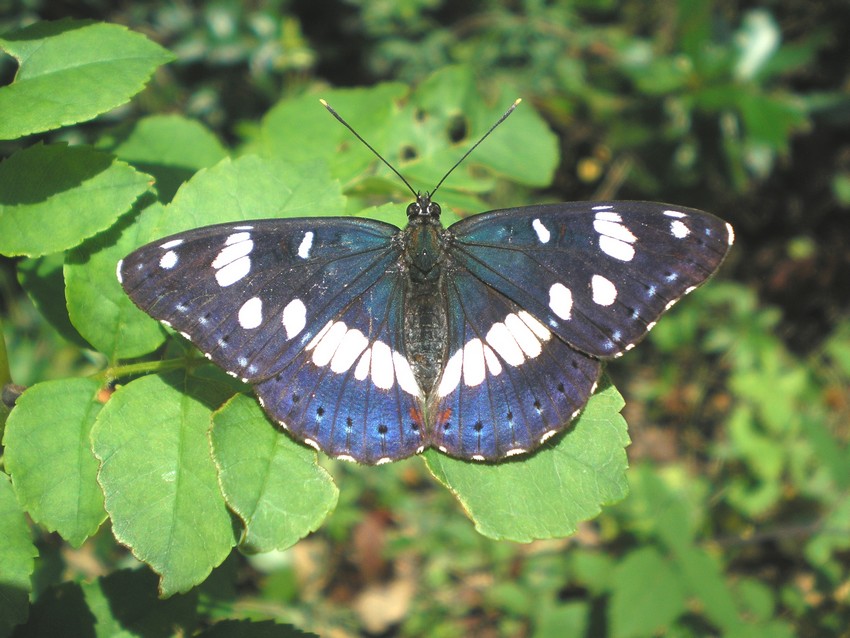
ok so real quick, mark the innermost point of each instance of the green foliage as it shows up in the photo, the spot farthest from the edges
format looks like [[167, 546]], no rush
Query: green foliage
[[685, 100], [72, 71]]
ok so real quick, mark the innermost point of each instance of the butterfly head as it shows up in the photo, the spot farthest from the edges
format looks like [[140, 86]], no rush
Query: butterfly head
[[423, 207]]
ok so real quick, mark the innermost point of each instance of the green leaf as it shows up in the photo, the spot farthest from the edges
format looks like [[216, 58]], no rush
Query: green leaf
[[647, 595], [54, 197], [251, 188], [44, 283], [301, 131], [703, 577], [546, 494], [97, 305], [71, 71], [125, 603], [16, 559], [59, 610], [158, 478], [169, 147], [258, 465], [49, 456], [418, 134]]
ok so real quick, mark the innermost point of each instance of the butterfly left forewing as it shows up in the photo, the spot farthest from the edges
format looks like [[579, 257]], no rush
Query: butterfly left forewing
[[600, 274], [250, 295]]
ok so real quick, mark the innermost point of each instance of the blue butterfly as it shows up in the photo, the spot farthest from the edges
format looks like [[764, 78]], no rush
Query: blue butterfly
[[373, 343]]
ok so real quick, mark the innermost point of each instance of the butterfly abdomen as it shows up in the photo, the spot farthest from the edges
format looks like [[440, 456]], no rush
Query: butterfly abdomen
[[425, 313]]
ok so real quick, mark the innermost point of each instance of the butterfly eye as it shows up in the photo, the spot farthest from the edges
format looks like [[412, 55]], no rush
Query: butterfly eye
[[413, 210], [434, 209]]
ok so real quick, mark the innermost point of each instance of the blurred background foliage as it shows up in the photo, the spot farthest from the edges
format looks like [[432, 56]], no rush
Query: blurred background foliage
[[739, 518]]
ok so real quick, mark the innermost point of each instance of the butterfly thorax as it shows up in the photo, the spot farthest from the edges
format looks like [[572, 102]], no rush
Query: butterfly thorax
[[425, 327]]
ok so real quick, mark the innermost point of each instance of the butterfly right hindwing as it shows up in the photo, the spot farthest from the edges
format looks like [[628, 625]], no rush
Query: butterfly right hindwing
[[509, 383]]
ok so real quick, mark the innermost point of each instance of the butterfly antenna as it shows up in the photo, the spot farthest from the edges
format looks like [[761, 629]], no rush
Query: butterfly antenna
[[369, 146], [474, 146]]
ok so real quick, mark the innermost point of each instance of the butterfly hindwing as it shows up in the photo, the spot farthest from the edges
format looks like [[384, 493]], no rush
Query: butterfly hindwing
[[351, 391], [509, 383], [597, 274]]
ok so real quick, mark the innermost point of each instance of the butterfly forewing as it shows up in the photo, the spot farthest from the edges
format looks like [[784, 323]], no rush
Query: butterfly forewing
[[251, 295], [597, 274]]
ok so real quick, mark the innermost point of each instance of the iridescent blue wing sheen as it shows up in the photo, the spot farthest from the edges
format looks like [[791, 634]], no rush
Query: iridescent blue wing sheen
[[294, 307], [598, 275], [509, 383], [538, 295], [351, 391]]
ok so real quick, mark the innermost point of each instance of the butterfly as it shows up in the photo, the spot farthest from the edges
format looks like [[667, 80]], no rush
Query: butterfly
[[373, 343]]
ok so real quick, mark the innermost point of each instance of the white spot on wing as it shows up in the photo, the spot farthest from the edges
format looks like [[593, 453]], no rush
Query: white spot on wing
[[362, 369], [326, 348], [233, 272], [493, 365], [251, 313], [294, 318], [171, 244], [616, 248], [615, 239], [603, 290], [500, 339], [118, 271], [609, 216], [353, 343], [451, 374], [679, 230], [306, 245], [674, 213], [236, 238], [473, 363], [538, 328], [233, 250], [613, 229], [168, 260], [319, 335], [404, 375], [543, 233], [731, 232], [382, 366], [561, 300], [523, 336], [602, 207]]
